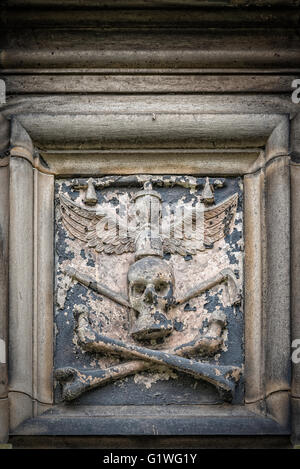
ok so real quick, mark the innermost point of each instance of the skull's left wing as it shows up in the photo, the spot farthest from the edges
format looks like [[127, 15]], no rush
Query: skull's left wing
[[101, 231]]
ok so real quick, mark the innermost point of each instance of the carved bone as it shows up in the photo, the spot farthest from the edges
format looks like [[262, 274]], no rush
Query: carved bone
[[216, 375]]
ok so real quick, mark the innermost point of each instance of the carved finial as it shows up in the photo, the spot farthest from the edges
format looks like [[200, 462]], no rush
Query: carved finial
[[207, 193], [148, 213], [90, 195], [148, 185]]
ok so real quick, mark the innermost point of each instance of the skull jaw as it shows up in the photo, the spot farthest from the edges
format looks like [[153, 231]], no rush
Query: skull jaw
[[153, 327]]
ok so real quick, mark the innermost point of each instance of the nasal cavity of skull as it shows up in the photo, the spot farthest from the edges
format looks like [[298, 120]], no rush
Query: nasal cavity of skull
[[139, 289]]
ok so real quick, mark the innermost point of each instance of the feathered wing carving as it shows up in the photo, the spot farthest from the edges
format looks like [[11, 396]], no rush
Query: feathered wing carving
[[95, 228], [218, 222]]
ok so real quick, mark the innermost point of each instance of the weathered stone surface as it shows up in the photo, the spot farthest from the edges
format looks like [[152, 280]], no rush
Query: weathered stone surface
[[295, 269], [20, 288], [4, 210], [254, 244], [277, 349], [43, 288], [97, 90], [4, 265], [4, 420], [4, 133], [177, 327]]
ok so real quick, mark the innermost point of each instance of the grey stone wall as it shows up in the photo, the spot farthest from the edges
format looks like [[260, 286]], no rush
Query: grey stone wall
[[173, 87]]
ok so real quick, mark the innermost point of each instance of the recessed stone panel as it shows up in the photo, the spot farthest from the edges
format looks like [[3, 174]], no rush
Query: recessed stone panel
[[148, 282]]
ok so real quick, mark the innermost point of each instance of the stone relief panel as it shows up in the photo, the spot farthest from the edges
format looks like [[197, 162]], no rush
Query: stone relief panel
[[149, 276]]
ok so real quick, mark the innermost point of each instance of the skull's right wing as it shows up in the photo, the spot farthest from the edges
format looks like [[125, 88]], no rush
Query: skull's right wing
[[101, 231], [219, 219], [186, 236]]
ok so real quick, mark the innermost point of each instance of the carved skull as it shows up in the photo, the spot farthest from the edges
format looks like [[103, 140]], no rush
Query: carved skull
[[150, 282]]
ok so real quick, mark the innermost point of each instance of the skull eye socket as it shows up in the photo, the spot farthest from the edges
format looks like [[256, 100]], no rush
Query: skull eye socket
[[161, 288], [138, 289]]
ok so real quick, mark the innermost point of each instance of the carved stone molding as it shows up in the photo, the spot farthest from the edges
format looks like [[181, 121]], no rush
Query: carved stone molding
[[111, 106], [266, 181], [295, 256], [4, 265], [186, 37]]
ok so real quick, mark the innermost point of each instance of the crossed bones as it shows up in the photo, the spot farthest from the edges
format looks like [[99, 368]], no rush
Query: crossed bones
[[75, 382]]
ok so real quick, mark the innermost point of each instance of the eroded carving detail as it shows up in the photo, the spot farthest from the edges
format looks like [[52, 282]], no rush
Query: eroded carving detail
[[150, 298]]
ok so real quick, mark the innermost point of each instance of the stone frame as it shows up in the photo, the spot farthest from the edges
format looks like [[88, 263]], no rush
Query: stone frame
[[268, 323]]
